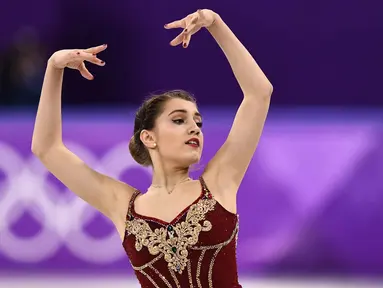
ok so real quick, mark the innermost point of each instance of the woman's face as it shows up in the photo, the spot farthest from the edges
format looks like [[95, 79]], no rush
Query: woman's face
[[178, 133]]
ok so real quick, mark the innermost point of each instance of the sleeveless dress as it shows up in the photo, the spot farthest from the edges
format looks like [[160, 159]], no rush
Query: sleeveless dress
[[196, 249]]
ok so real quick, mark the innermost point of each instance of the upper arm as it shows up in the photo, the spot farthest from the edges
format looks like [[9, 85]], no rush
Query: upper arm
[[227, 168], [104, 193]]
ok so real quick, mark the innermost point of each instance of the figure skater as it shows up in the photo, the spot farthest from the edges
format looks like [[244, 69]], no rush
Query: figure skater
[[181, 232]]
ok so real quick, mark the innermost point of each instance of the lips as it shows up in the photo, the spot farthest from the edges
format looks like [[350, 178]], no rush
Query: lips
[[193, 142]]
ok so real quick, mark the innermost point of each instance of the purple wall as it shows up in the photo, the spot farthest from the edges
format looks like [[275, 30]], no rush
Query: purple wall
[[309, 204]]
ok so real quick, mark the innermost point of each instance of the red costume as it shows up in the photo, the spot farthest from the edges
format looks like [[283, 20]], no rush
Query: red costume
[[196, 249]]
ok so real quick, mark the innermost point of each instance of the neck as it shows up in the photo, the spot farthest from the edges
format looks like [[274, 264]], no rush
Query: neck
[[168, 178]]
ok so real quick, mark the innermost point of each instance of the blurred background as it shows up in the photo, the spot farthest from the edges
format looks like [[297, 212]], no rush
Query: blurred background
[[311, 202]]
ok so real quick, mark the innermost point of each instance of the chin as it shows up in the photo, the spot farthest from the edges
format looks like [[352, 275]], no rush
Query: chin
[[189, 160]]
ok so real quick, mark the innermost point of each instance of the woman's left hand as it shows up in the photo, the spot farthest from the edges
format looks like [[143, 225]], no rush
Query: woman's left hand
[[191, 24]]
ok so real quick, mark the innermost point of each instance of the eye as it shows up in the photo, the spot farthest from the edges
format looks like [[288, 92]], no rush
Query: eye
[[199, 124], [179, 121]]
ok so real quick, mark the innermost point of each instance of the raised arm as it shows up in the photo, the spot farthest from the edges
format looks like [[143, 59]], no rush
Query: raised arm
[[227, 168], [107, 195]]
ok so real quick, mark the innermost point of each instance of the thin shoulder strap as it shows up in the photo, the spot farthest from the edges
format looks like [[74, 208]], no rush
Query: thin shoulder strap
[[206, 191], [129, 215]]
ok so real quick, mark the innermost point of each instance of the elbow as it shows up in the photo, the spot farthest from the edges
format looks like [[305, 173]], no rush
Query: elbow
[[266, 93], [38, 151], [41, 145], [36, 146], [261, 93], [268, 89]]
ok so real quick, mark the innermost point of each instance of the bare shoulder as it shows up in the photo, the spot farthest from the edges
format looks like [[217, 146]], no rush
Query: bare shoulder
[[223, 190], [122, 193]]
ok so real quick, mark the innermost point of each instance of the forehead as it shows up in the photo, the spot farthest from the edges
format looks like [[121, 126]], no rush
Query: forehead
[[180, 104]]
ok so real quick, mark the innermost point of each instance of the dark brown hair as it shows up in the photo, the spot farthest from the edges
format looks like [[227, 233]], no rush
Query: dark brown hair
[[146, 117]]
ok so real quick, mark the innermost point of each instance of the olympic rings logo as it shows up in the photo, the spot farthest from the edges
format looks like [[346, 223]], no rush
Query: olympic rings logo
[[26, 189]]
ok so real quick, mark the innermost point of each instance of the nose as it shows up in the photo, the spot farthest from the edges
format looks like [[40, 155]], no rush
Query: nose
[[195, 130]]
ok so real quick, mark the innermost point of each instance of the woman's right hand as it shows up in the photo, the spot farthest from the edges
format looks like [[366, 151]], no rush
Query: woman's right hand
[[75, 59]]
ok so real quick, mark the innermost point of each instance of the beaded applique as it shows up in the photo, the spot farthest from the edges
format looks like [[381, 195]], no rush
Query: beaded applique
[[173, 241]]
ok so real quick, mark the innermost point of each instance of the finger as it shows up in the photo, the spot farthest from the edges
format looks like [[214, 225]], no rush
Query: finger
[[178, 40], [97, 49], [190, 28], [186, 40], [85, 72], [92, 58], [176, 24]]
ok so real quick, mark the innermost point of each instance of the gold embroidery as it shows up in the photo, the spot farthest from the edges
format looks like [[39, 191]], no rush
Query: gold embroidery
[[175, 278], [216, 246], [203, 249], [211, 266], [161, 276], [149, 278], [173, 241], [190, 275], [139, 268], [199, 268]]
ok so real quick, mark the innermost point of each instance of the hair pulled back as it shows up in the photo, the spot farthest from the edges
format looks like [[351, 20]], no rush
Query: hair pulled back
[[146, 117]]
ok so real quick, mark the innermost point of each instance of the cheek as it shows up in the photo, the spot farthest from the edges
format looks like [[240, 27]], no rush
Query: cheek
[[170, 138]]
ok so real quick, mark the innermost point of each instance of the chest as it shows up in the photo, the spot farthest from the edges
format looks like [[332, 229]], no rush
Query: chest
[[204, 226], [167, 209]]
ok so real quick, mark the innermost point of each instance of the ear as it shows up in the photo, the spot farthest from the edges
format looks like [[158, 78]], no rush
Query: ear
[[148, 138]]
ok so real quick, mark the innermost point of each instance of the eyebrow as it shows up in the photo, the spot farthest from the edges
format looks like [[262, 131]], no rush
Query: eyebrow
[[185, 112]]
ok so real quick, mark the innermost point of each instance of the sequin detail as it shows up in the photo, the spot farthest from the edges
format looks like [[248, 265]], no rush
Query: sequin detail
[[161, 276], [218, 246], [190, 275], [175, 278]]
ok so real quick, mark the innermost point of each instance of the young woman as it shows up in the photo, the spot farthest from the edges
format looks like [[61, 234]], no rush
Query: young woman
[[181, 232]]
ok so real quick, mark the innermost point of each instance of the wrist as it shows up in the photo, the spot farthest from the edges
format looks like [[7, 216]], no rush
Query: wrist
[[51, 64], [216, 20]]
